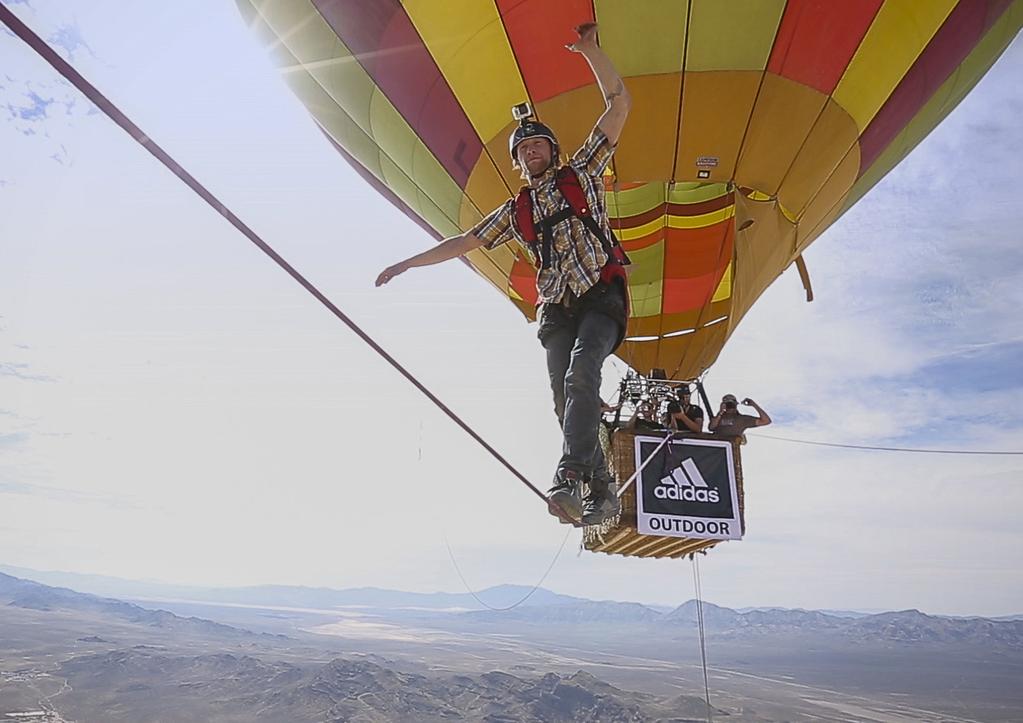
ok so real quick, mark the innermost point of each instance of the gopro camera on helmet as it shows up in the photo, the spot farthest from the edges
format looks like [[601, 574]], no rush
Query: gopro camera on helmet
[[529, 127], [522, 111]]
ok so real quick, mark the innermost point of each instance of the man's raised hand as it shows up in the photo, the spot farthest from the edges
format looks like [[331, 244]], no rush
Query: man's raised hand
[[587, 38]]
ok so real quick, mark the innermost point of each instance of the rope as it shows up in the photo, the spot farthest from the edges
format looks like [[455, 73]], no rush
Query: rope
[[114, 113], [524, 597], [885, 449], [628, 483], [703, 639]]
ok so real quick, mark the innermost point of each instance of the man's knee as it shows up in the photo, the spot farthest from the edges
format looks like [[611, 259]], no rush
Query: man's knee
[[582, 379]]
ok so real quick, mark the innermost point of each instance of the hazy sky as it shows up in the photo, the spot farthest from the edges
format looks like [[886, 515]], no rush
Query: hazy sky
[[174, 407]]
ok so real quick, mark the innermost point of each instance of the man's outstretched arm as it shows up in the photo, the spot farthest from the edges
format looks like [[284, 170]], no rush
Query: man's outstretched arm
[[612, 87], [447, 249], [763, 419]]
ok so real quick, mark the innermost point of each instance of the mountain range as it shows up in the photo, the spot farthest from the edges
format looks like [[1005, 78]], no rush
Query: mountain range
[[548, 608], [68, 655], [292, 596], [30, 595]]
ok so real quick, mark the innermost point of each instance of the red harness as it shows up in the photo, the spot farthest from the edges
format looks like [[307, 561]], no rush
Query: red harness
[[540, 245]]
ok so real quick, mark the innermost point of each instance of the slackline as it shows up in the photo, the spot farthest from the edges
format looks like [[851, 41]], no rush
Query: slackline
[[114, 113]]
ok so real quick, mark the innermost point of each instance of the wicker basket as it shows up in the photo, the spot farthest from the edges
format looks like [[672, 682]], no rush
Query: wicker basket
[[618, 535]]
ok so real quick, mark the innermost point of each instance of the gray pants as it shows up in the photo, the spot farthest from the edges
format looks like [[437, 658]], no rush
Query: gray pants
[[576, 349]]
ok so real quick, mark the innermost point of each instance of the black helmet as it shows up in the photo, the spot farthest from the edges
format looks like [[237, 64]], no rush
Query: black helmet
[[532, 129]]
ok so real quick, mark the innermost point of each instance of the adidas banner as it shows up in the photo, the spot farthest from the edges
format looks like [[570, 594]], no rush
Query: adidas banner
[[687, 489]]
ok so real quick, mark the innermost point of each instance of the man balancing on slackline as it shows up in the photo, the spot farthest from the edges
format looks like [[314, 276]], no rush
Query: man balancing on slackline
[[561, 218]]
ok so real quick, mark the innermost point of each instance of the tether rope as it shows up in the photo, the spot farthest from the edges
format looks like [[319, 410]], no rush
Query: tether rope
[[524, 597], [887, 449], [635, 475], [114, 113], [703, 639]]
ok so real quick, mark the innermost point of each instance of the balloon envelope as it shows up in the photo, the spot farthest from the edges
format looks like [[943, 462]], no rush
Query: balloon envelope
[[755, 124]]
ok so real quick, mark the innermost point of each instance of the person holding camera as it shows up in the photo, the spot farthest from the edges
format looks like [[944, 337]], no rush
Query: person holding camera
[[730, 423], [682, 414], [645, 417], [560, 217]]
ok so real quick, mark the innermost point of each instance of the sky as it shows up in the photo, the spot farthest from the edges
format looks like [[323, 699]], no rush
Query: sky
[[173, 407]]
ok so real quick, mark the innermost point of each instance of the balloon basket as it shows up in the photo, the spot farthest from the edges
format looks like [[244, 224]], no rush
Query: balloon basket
[[619, 535]]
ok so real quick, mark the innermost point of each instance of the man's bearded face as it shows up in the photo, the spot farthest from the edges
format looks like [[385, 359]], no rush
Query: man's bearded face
[[534, 155]]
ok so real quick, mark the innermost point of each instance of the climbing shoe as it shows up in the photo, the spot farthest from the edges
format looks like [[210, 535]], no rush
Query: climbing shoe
[[563, 498], [601, 502]]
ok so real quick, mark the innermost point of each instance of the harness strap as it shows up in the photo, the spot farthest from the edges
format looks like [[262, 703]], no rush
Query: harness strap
[[540, 246], [547, 225], [594, 228]]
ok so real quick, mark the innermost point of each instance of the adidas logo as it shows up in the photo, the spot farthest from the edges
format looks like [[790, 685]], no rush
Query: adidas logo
[[686, 483]]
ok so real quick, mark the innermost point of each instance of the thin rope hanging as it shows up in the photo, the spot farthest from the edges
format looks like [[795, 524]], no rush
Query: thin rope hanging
[[703, 639], [889, 449], [114, 113], [524, 597]]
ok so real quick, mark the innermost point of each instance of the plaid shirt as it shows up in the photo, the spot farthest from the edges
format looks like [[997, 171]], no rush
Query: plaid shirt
[[576, 255]]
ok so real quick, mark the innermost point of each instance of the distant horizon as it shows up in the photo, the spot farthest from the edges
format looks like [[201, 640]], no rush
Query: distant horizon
[[17, 570]]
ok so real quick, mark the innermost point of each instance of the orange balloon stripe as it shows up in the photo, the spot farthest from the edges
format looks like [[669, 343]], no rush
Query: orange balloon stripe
[[693, 252], [687, 294], [523, 280], [817, 39], [538, 31]]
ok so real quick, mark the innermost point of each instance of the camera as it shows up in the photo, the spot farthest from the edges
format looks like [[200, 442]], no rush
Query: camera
[[522, 111]]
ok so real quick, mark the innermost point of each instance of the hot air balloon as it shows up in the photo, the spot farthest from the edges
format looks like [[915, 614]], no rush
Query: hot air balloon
[[755, 125]]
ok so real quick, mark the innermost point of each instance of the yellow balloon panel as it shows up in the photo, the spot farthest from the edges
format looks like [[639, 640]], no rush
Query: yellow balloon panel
[[647, 146], [828, 200], [732, 34], [785, 113], [660, 23], [823, 149], [716, 107]]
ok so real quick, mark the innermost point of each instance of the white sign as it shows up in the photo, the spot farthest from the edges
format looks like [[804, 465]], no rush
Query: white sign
[[687, 489]]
